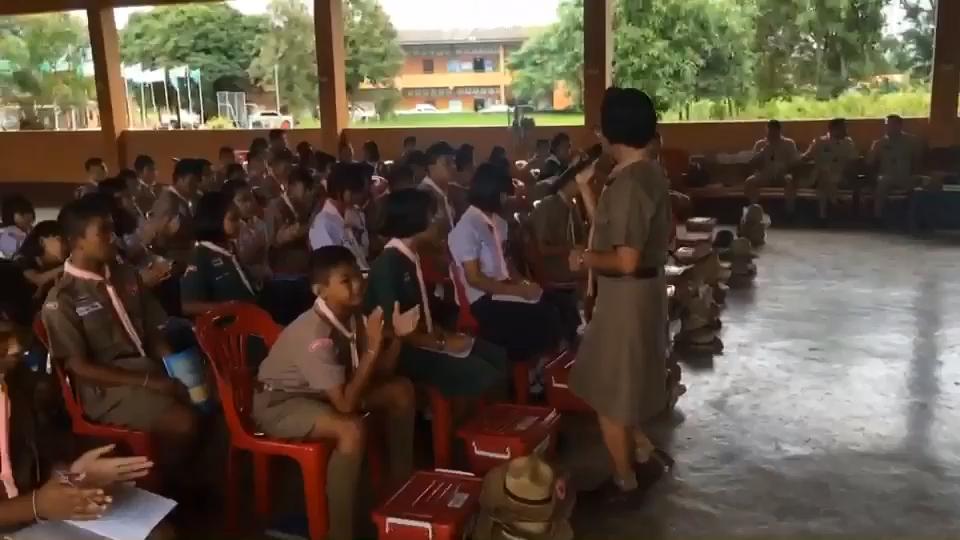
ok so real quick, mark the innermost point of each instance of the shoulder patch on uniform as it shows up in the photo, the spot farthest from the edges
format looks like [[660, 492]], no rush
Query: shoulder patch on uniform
[[51, 305], [191, 268], [321, 343]]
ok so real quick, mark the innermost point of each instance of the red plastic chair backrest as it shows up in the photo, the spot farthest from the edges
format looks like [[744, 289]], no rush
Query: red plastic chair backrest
[[466, 323], [69, 398], [223, 335]]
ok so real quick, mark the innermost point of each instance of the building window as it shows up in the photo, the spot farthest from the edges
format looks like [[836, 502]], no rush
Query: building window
[[428, 65], [453, 66], [478, 65]]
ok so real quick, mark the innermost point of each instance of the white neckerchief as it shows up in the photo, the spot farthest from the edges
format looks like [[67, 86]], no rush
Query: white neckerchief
[[446, 200], [189, 204], [324, 311], [286, 199], [349, 239], [504, 272], [398, 245], [115, 300], [233, 259]]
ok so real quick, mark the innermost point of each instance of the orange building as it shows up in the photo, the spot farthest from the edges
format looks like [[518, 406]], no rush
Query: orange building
[[459, 70]]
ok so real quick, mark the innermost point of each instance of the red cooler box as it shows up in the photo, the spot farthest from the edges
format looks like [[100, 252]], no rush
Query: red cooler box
[[438, 505], [504, 431], [558, 391]]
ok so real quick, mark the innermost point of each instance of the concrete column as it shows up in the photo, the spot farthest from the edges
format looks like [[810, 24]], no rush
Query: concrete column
[[945, 84], [331, 75], [111, 91], [597, 56]]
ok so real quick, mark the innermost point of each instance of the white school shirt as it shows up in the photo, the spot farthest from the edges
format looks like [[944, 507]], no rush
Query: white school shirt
[[330, 229], [472, 240], [11, 238]]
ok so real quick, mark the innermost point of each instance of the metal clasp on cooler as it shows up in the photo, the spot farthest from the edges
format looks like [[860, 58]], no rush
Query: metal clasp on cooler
[[410, 523], [492, 455]]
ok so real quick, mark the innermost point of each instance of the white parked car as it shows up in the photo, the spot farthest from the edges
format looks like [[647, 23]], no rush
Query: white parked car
[[270, 120], [496, 109], [421, 108]]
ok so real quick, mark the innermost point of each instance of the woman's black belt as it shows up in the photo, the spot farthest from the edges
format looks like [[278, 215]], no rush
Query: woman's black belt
[[644, 272]]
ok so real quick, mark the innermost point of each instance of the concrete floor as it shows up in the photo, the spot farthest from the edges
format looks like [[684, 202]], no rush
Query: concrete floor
[[832, 412]]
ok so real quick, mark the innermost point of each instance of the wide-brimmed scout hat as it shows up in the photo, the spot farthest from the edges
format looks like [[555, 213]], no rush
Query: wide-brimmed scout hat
[[524, 499]]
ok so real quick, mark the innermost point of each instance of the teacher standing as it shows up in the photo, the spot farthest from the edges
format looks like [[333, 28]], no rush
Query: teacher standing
[[620, 370]]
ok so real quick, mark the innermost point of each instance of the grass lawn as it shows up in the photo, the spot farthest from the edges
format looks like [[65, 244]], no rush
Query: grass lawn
[[468, 120]]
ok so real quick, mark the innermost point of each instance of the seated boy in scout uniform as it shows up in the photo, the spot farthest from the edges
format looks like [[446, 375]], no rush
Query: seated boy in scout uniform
[[832, 156], [144, 188], [559, 227], [287, 218], [175, 203], [96, 170], [895, 157], [326, 371], [215, 274], [773, 157], [253, 240], [105, 329]]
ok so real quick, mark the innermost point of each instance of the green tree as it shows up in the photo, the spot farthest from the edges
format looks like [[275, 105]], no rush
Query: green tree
[[373, 53], [214, 38], [554, 54], [42, 63], [921, 19], [819, 47]]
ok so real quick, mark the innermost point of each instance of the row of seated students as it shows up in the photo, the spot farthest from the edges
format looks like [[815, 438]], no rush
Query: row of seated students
[[123, 261], [894, 160]]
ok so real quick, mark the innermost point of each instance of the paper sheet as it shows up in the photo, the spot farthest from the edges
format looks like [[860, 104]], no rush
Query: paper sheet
[[461, 354], [513, 298], [133, 514]]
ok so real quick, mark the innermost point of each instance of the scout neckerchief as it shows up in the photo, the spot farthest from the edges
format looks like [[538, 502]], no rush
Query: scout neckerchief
[[427, 181], [289, 203], [186, 201], [398, 245], [324, 311], [349, 240], [6, 469], [233, 259], [115, 301], [503, 272]]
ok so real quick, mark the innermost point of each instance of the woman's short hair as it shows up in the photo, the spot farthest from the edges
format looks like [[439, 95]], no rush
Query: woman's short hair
[[489, 183], [32, 246], [628, 117], [208, 219], [346, 177], [464, 157], [371, 150], [407, 212], [12, 204]]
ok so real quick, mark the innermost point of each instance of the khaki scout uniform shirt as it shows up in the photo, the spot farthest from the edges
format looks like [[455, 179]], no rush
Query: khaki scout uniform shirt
[[557, 223], [310, 356], [634, 211], [895, 156], [179, 246], [81, 323], [775, 158], [144, 196], [295, 256], [832, 156], [212, 277]]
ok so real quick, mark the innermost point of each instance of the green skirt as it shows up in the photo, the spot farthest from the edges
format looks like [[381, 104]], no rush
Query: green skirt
[[476, 375]]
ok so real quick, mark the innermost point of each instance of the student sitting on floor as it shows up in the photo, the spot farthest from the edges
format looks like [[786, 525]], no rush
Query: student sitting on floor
[[454, 363], [253, 238], [105, 329], [31, 452], [215, 274], [327, 369], [346, 188], [511, 311], [17, 221], [41, 259]]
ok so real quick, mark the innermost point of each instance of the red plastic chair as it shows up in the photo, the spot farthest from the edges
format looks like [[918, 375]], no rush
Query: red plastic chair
[[138, 442], [223, 336]]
